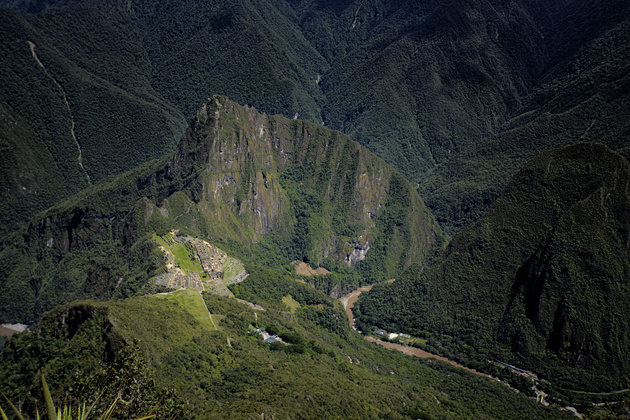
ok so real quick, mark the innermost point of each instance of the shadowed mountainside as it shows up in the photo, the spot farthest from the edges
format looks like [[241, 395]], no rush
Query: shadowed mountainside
[[431, 87], [541, 279], [582, 97]]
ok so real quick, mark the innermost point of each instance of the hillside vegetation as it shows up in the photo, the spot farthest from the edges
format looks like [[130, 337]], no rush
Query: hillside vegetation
[[128, 77], [511, 118], [269, 189], [581, 99], [231, 373], [541, 280], [456, 95]]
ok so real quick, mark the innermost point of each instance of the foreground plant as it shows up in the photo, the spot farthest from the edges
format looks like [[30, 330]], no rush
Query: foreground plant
[[82, 412]]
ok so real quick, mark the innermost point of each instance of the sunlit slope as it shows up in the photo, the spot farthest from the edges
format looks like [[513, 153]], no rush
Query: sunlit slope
[[270, 188]]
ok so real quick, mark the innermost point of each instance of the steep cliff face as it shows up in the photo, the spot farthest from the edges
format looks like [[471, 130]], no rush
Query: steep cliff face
[[255, 174], [228, 151], [237, 176]]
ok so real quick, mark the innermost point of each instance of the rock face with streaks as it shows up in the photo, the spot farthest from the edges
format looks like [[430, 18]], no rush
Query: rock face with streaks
[[255, 174], [237, 176]]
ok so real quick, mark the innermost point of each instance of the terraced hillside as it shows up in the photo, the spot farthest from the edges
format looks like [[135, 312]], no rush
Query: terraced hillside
[[191, 263]]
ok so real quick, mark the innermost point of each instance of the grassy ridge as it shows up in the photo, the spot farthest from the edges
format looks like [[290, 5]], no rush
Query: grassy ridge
[[192, 302], [231, 373]]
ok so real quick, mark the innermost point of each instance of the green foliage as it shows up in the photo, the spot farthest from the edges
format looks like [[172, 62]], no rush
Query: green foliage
[[460, 127], [129, 379], [71, 351], [537, 281], [393, 227], [582, 99], [266, 286], [107, 74], [98, 243], [231, 373], [332, 319], [337, 283], [128, 382]]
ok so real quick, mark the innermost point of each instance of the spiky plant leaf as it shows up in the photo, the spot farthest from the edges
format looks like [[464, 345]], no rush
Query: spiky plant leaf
[[50, 407], [15, 410], [107, 415], [4, 416]]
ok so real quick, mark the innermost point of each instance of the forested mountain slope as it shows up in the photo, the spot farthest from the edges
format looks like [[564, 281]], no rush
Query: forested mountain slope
[[582, 96], [159, 355], [419, 81], [456, 95], [431, 87], [542, 279], [274, 189], [117, 82]]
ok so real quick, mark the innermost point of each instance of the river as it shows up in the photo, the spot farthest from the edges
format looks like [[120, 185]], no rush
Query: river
[[348, 302]]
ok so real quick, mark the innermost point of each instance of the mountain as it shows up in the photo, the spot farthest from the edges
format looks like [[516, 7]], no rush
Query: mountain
[[93, 89], [580, 96], [416, 82], [273, 189], [440, 90], [457, 96], [541, 279]]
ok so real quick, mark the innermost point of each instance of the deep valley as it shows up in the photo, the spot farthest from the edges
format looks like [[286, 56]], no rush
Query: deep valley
[[190, 190]]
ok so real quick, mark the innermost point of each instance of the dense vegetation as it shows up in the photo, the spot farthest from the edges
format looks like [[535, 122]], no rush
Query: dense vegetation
[[454, 94], [270, 189], [541, 281], [581, 99], [232, 373], [128, 94]]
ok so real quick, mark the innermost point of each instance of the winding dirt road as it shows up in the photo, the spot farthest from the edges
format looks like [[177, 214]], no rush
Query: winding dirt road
[[348, 302]]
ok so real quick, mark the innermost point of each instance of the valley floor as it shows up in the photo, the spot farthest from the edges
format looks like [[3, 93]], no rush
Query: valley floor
[[348, 303]]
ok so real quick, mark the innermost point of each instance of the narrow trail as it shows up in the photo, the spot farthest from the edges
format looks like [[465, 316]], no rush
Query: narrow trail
[[65, 100], [621, 391], [209, 314], [348, 302]]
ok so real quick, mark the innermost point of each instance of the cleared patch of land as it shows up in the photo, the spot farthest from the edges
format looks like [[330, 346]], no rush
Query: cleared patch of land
[[303, 269], [6, 331], [291, 303], [193, 303]]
